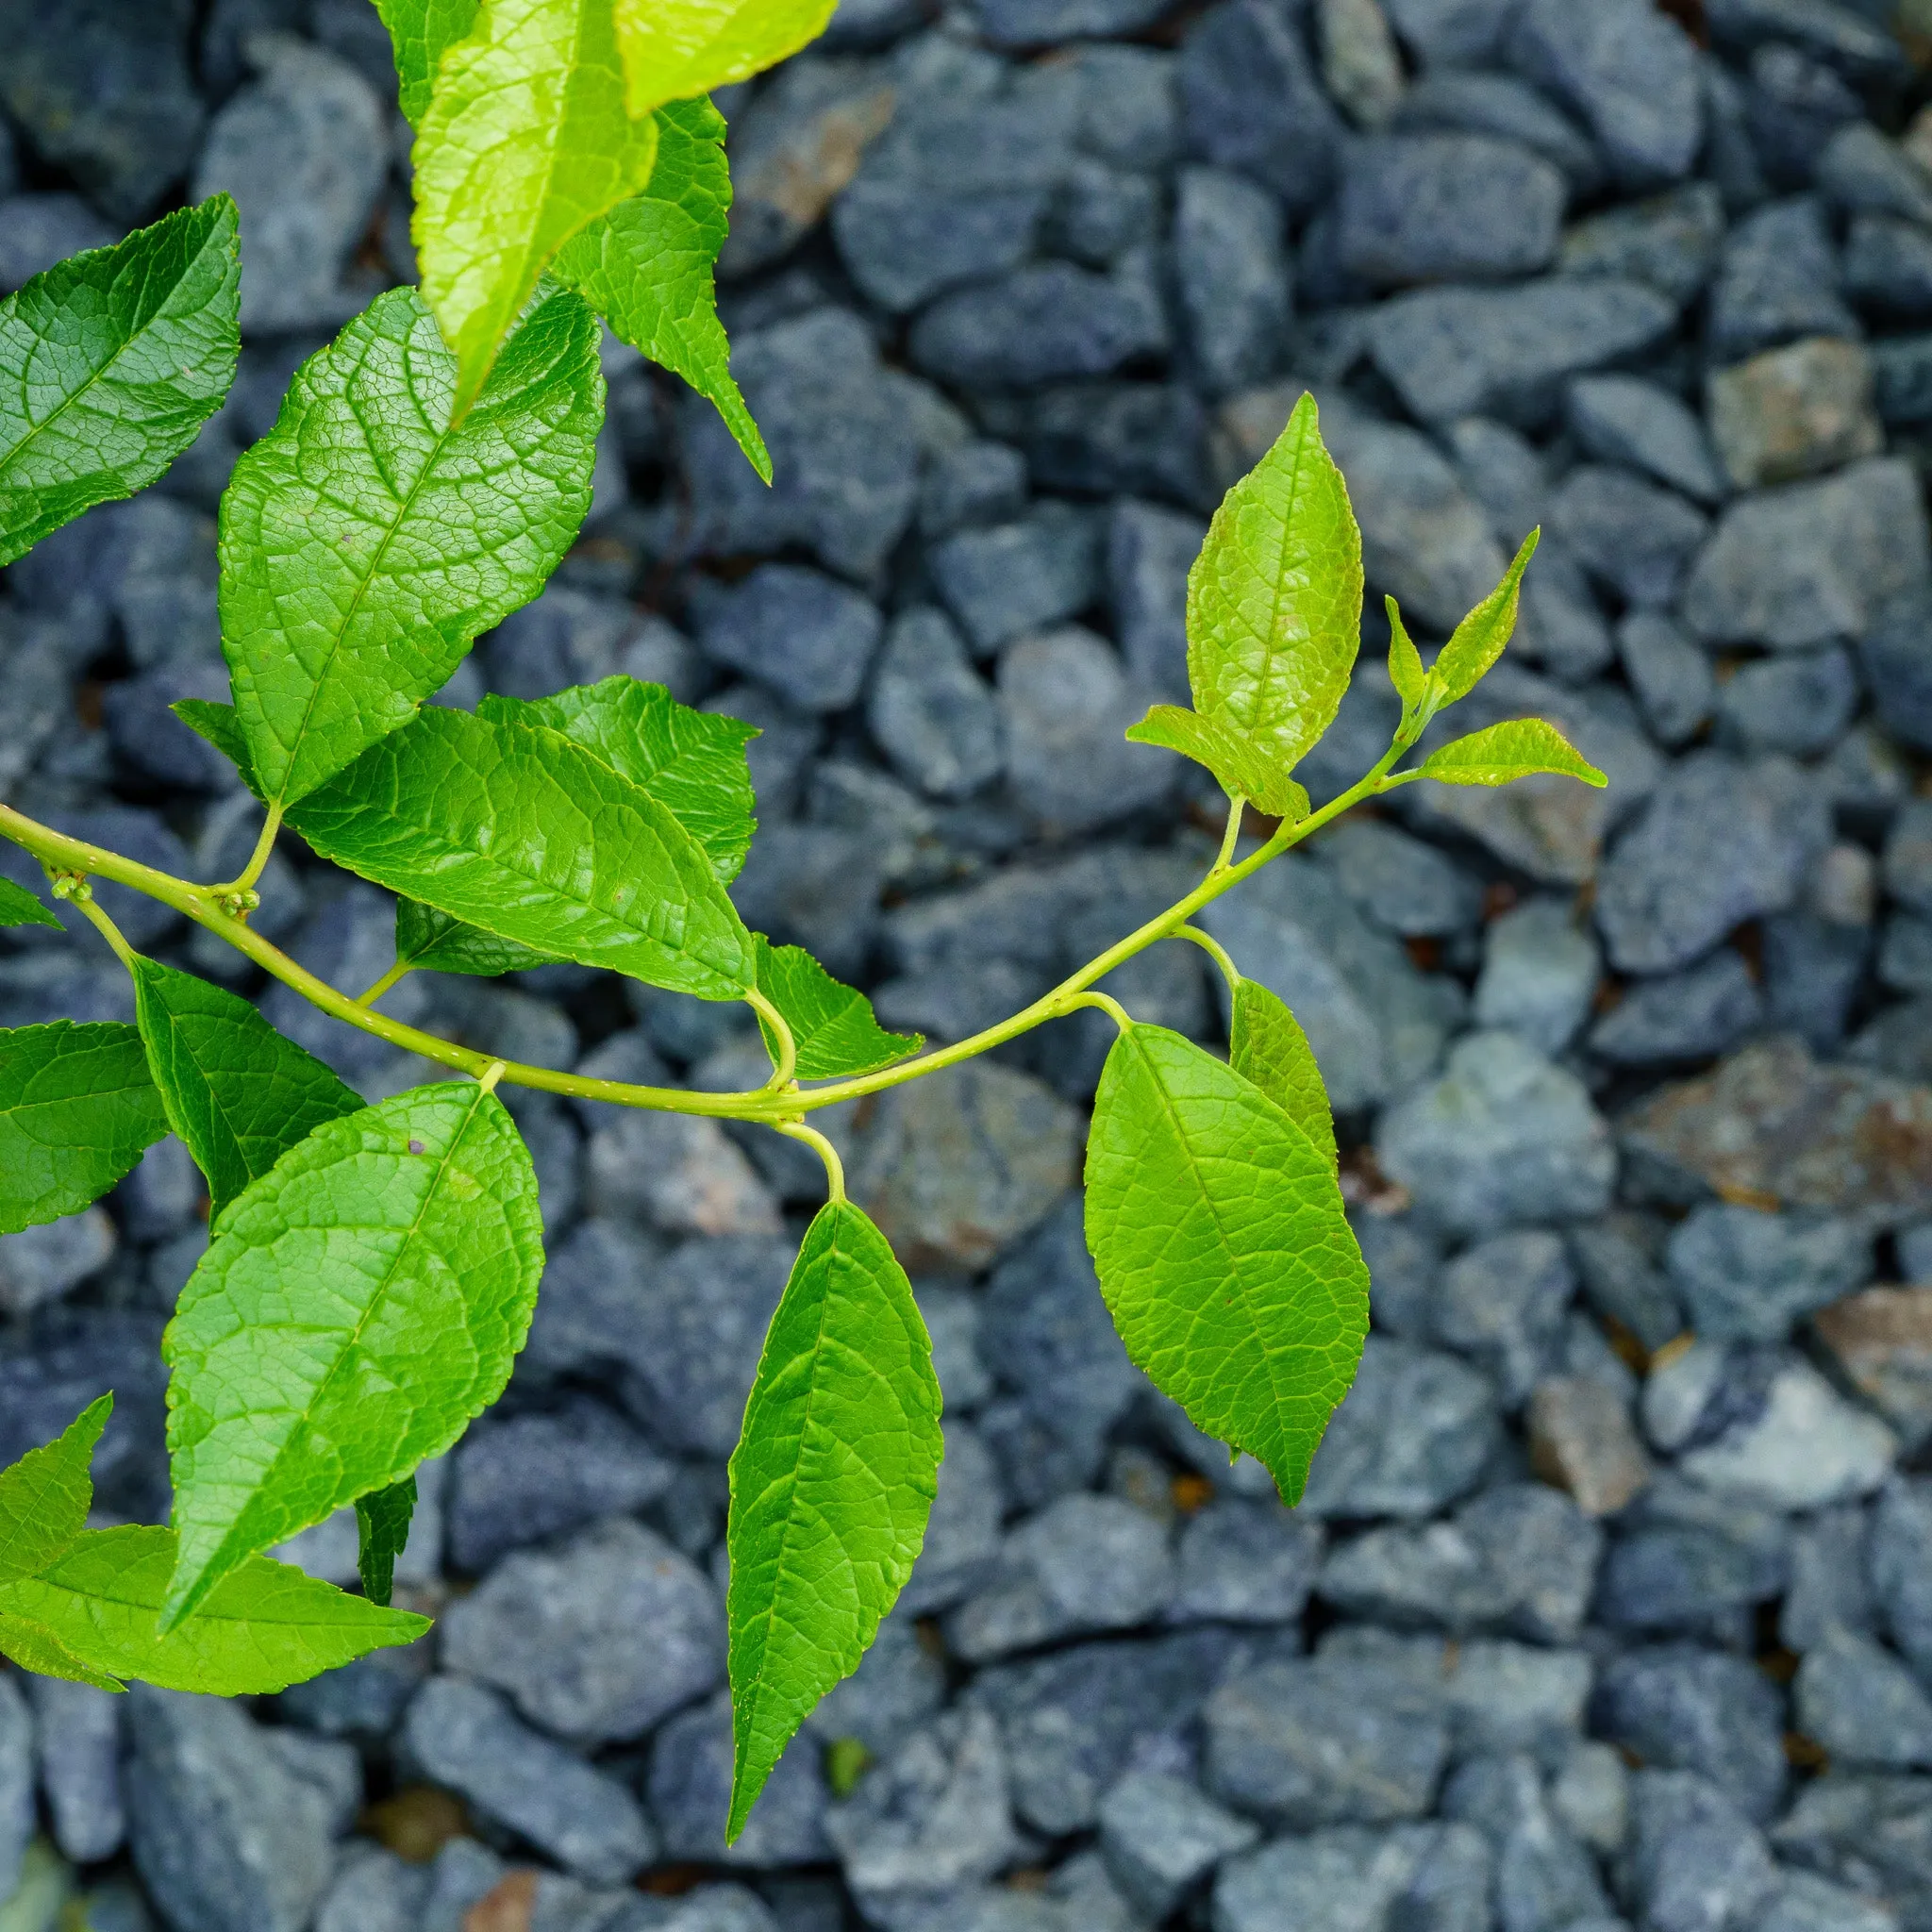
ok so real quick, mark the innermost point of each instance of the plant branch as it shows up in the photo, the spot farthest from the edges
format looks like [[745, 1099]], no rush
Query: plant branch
[[394, 977], [785, 1061], [779, 1103], [834, 1167], [1214, 949]]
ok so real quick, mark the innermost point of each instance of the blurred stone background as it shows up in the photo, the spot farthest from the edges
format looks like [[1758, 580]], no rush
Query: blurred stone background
[[1611, 1604]]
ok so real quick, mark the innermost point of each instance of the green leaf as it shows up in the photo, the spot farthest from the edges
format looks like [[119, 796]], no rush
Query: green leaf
[[18, 907], [1275, 599], [358, 1304], [1266, 1045], [221, 726], [513, 827], [261, 1628], [1501, 753], [77, 1109], [647, 267], [525, 141], [238, 1093], [1477, 641], [1242, 766], [34, 1647], [691, 762], [44, 1497], [365, 543], [832, 1025], [673, 49], [431, 942], [420, 31], [110, 363], [831, 1484], [382, 1528], [1223, 1251], [1405, 671]]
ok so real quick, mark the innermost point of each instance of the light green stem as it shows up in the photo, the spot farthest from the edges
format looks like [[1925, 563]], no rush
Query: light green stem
[[394, 977], [258, 859], [1215, 951], [834, 1167], [776, 1104], [785, 1061]]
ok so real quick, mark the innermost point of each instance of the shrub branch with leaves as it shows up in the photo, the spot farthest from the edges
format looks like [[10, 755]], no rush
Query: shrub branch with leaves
[[373, 1270]]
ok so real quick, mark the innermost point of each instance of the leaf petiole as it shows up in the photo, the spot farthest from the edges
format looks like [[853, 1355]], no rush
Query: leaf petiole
[[257, 860], [1214, 949], [834, 1167], [785, 1061]]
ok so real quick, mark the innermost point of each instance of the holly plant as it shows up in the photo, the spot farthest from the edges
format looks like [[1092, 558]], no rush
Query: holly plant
[[372, 1271]]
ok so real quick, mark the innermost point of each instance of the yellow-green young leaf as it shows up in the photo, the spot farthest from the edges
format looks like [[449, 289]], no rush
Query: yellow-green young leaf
[[18, 907], [1266, 1044], [673, 49], [1243, 767], [831, 1484], [358, 1304], [691, 762], [833, 1027], [263, 1627], [647, 267], [419, 31], [365, 542], [382, 1528], [44, 1497], [1500, 755], [516, 828], [525, 141], [1275, 599], [77, 1109], [221, 726], [239, 1093], [431, 942], [110, 363], [1477, 641], [34, 1647], [1405, 671], [1223, 1251]]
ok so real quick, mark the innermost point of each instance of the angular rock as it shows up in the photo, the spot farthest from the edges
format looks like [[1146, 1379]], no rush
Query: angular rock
[[1882, 1340], [930, 712], [1670, 242], [1416, 1431], [1629, 72], [465, 1739], [1377, 1026], [1509, 109], [226, 1835], [1149, 552], [557, 1630], [1631, 536], [1236, 287], [1746, 1275], [815, 885], [1445, 208], [678, 1174], [304, 151], [1244, 1560], [1324, 1742], [1502, 1302], [1582, 1440], [1045, 321], [1539, 974], [1798, 703], [1250, 101], [1503, 1136], [808, 637], [1543, 1875], [1778, 279], [1719, 843], [1622, 419], [1775, 1127], [1794, 412], [1002, 582], [1681, 1708], [1160, 1835], [1860, 1703], [1698, 1864], [978, 483], [78, 1735], [1702, 1011], [1460, 352], [953, 1170], [1901, 1580], [1403, 885]]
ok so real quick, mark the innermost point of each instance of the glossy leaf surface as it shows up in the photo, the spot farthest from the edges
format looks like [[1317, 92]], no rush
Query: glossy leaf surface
[[1223, 1249], [1274, 598], [510, 826], [358, 1304], [1520, 748], [382, 1528], [831, 1484], [18, 907], [524, 141], [1242, 766], [833, 1026], [647, 267], [44, 1497], [1266, 1045], [110, 363], [77, 1109], [431, 942], [365, 542], [691, 762], [238, 1092], [673, 49], [1477, 641]]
